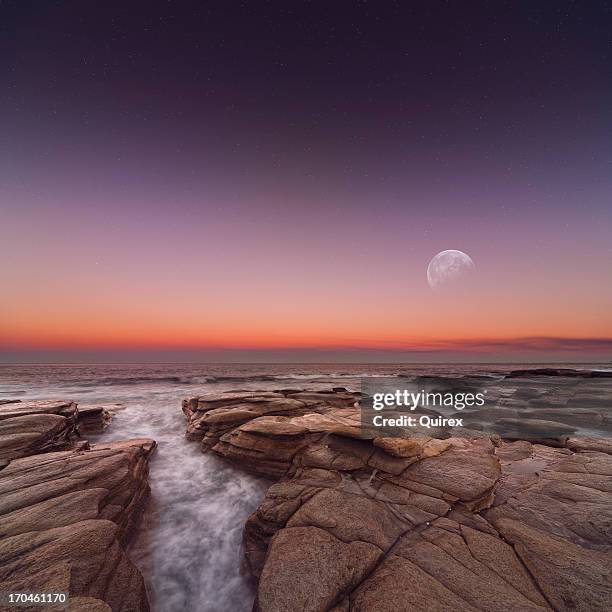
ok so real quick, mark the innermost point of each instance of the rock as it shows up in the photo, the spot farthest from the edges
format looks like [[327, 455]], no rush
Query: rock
[[93, 419], [87, 604], [343, 422], [449, 566], [419, 446], [358, 521], [213, 416], [603, 445], [558, 492], [55, 489], [65, 516], [352, 498], [298, 555], [275, 427], [267, 445], [557, 517], [446, 541], [17, 408], [364, 522], [83, 558], [572, 577], [28, 428]]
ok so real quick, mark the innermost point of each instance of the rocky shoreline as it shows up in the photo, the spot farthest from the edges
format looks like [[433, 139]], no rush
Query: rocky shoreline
[[360, 523], [352, 521], [68, 508]]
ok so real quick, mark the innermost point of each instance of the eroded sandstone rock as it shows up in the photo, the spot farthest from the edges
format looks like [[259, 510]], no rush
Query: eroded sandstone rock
[[93, 419], [84, 558], [32, 427], [66, 515], [357, 522], [210, 417]]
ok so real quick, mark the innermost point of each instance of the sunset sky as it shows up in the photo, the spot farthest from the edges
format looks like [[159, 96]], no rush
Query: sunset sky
[[219, 181]]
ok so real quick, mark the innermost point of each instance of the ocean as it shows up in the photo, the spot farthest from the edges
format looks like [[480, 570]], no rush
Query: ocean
[[188, 547]]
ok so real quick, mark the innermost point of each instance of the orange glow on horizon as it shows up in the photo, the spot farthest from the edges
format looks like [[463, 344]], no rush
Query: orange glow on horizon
[[121, 339], [162, 310]]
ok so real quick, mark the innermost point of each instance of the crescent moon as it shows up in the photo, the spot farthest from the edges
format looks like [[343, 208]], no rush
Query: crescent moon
[[449, 267]]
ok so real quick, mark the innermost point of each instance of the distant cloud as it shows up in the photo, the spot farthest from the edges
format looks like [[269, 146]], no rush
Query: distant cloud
[[529, 343]]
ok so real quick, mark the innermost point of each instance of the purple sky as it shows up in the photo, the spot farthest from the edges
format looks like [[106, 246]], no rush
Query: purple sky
[[217, 179]]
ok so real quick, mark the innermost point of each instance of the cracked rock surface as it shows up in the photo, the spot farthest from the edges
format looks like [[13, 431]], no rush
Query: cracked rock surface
[[355, 522], [65, 516]]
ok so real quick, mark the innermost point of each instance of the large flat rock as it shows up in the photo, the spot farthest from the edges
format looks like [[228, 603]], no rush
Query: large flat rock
[[16, 408], [465, 529]]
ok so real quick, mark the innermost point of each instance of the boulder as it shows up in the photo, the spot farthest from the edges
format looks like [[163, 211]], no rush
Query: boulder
[[93, 419]]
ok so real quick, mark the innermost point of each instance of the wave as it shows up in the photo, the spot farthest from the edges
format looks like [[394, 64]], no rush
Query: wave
[[131, 380], [178, 380], [280, 377], [336, 375], [215, 379]]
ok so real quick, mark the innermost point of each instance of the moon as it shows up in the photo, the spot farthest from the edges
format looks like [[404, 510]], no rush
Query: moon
[[449, 268]]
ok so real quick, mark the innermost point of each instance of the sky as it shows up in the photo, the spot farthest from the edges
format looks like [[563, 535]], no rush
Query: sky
[[245, 181]]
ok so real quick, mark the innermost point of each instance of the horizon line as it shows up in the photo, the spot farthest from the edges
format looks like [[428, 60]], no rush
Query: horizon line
[[531, 343]]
